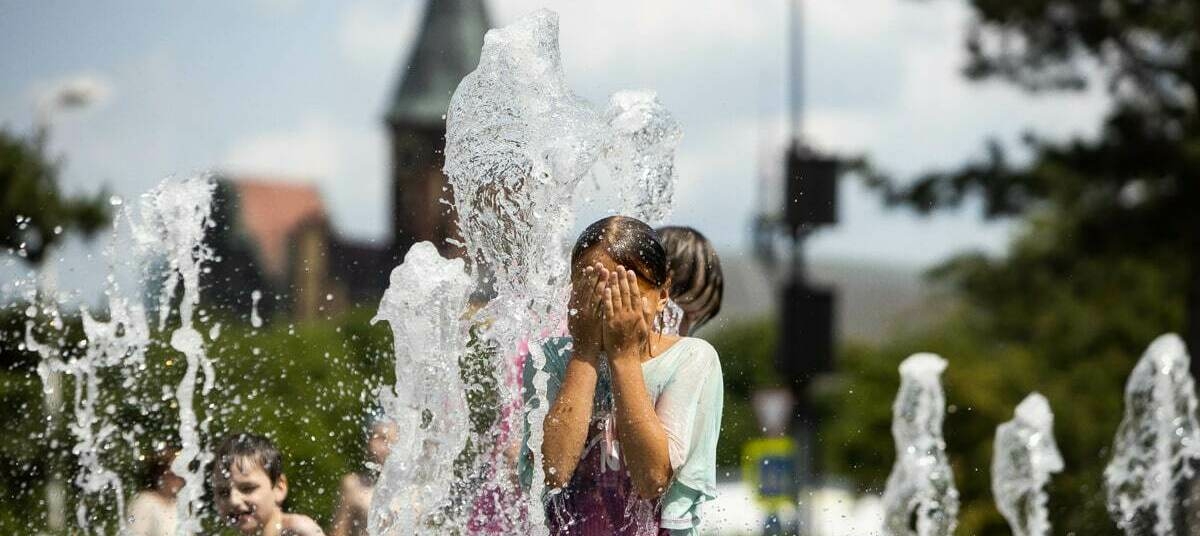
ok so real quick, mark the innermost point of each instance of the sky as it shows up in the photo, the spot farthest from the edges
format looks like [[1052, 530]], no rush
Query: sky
[[296, 89]]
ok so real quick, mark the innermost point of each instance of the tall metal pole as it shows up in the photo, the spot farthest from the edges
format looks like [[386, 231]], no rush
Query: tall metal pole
[[72, 95], [796, 70]]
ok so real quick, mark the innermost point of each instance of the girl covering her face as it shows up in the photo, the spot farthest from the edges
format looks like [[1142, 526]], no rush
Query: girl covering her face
[[630, 439]]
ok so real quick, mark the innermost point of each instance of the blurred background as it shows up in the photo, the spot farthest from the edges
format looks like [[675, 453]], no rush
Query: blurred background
[[1010, 185]]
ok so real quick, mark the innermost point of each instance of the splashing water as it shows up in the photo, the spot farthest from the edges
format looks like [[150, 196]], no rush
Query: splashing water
[[255, 320], [174, 219], [518, 143], [424, 305], [641, 154], [670, 319], [168, 232], [120, 344], [920, 498], [1156, 443], [1025, 456]]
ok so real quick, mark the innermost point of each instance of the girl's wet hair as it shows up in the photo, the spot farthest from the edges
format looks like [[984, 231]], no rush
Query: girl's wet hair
[[630, 243], [697, 284], [239, 448], [157, 464]]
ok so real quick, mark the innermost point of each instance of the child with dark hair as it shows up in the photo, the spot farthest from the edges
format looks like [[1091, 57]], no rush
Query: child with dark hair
[[249, 487], [631, 435], [697, 283], [354, 503], [152, 512]]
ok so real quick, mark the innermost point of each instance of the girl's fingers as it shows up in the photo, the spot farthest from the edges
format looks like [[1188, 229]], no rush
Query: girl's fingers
[[609, 311], [635, 293], [615, 287], [598, 288], [623, 285]]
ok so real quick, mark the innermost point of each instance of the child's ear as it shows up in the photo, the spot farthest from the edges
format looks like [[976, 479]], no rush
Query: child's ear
[[281, 489], [663, 296]]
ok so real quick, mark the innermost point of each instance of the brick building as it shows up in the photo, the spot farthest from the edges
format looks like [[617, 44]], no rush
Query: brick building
[[274, 235]]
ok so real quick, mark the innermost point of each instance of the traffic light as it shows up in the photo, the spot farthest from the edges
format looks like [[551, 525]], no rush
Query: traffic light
[[805, 345], [811, 189]]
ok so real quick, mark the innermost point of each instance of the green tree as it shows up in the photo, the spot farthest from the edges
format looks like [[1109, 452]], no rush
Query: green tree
[[34, 213], [1108, 256], [1132, 190]]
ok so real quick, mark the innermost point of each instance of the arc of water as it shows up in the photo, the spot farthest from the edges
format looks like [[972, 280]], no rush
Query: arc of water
[[920, 498], [1025, 456], [424, 305], [1157, 441]]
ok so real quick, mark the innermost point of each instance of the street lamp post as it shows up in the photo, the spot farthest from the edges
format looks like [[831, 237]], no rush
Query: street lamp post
[[69, 96]]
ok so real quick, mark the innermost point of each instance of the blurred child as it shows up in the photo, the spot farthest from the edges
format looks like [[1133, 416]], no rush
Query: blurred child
[[152, 511], [249, 488], [697, 283], [354, 504]]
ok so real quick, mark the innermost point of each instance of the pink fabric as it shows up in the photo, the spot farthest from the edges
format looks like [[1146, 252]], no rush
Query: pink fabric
[[499, 506]]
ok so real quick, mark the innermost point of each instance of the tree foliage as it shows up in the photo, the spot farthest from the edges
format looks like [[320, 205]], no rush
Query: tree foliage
[[34, 213], [1107, 256], [1131, 190]]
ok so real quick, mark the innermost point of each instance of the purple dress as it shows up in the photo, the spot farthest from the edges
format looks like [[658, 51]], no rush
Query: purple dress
[[600, 498]]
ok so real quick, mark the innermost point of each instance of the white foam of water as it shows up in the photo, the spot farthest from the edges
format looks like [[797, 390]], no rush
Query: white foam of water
[[920, 498], [424, 304], [1024, 457], [1157, 441]]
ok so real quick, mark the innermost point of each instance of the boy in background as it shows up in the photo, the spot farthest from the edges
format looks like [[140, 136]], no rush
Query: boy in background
[[249, 488]]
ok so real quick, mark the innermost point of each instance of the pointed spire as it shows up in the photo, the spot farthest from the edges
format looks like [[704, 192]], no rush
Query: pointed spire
[[451, 37]]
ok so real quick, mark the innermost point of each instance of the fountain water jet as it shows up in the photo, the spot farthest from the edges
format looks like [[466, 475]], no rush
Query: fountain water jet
[[1157, 442], [175, 216], [424, 304], [518, 143], [920, 498], [1025, 456], [168, 232], [120, 344]]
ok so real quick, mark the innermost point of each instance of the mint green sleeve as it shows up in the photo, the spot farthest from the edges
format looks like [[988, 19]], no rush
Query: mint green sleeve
[[690, 409], [556, 351]]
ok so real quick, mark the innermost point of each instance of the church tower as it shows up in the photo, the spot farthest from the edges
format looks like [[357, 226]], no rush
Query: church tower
[[447, 48]]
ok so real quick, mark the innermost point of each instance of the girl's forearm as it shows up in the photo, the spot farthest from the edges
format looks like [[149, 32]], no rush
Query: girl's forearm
[[566, 425], [643, 438]]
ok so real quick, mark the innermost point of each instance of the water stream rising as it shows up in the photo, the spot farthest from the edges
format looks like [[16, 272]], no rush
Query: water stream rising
[[1024, 457], [920, 499], [424, 305], [1157, 442], [518, 143]]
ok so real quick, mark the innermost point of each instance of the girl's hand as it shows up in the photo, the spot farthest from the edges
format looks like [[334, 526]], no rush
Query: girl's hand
[[626, 331], [583, 320]]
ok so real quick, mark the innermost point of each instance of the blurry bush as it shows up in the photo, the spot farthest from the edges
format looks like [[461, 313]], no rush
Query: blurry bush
[[1019, 327], [747, 349]]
